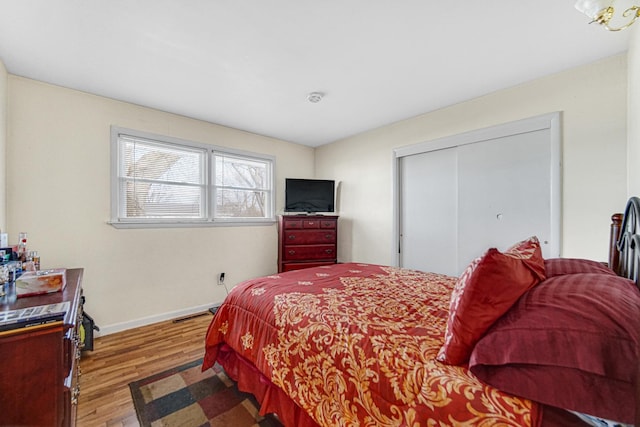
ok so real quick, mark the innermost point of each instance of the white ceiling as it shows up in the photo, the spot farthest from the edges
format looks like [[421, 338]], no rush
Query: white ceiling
[[250, 64]]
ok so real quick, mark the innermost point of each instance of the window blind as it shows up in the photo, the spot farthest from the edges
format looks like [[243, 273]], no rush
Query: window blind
[[164, 181], [241, 187], [161, 180]]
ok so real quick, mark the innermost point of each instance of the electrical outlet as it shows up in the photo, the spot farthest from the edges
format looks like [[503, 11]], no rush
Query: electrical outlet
[[221, 279]]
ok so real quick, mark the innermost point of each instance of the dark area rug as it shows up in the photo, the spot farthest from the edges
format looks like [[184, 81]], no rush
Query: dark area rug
[[186, 397]]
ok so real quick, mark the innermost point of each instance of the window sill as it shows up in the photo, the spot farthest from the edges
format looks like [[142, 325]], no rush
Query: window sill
[[191, 224]]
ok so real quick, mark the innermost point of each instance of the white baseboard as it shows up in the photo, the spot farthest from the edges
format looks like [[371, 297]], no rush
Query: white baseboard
[[119, 327]]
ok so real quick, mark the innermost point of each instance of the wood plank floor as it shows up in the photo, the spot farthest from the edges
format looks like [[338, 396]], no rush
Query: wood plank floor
[[127, 356]]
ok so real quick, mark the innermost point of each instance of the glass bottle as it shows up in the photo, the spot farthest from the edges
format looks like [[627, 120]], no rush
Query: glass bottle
[[22, 246], [36, 260]]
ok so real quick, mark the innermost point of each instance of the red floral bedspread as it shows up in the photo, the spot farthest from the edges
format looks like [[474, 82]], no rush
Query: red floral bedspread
[[356, 344]]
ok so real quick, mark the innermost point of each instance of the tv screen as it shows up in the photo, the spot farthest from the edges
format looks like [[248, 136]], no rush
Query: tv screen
[[309, 195]]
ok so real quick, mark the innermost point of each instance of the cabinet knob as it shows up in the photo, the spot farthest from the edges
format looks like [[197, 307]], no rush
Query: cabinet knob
[[328, 251]]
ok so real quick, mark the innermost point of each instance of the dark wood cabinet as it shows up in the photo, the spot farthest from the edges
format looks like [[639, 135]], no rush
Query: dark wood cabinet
[[307, 241], [39, 365]]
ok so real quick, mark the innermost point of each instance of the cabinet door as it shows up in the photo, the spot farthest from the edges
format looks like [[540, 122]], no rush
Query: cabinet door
[[31, 378]]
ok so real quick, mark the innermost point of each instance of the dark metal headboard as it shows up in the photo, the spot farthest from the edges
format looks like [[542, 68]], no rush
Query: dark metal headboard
[[625, 256]]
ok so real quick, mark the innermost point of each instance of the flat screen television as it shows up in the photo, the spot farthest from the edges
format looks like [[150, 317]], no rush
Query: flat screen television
[[309, 195]]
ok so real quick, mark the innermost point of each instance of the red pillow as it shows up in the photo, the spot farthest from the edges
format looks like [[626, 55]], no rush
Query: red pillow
[[485, 291], [571, 342], [560, 266]]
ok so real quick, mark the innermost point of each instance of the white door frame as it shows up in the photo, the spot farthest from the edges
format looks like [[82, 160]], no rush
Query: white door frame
[[551, 121]]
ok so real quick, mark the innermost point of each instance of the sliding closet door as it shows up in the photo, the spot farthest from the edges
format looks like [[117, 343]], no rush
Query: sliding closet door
[[458, 196], [428, 198], [503, 193]]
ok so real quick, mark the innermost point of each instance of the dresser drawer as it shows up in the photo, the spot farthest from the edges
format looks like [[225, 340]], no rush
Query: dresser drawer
[[72, 392], [311, 223], [305, 237], [318, 223], [309, 252], [328, 223], [69, 352], [292, 223], [290, 266]]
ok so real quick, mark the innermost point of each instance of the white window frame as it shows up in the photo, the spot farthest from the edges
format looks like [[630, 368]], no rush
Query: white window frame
[[209, 219]]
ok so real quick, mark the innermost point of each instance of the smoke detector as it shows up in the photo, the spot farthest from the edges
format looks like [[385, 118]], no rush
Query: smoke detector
[[315, 97]]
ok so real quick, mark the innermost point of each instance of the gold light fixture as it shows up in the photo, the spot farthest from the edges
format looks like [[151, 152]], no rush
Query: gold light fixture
[[602, 12]]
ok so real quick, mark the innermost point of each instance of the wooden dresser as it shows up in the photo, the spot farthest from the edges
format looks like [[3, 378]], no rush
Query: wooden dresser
[[39, 365], [307, 241]]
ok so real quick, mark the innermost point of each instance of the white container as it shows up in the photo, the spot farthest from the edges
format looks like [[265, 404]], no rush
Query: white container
[[41, 282]]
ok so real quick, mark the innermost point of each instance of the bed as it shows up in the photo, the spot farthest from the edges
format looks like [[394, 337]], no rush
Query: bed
[[516, 340]]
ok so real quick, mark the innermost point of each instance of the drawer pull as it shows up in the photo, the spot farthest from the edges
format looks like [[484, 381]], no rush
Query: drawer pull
[[328, 236], [292, 236], [328, 251], [292, 252], [74, 395], [311, 223]]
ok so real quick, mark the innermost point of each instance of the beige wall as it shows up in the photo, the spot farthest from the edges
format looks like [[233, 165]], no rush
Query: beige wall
[[3, 146], [59, 185], [58, 182], [633, 126], [592, 100]]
